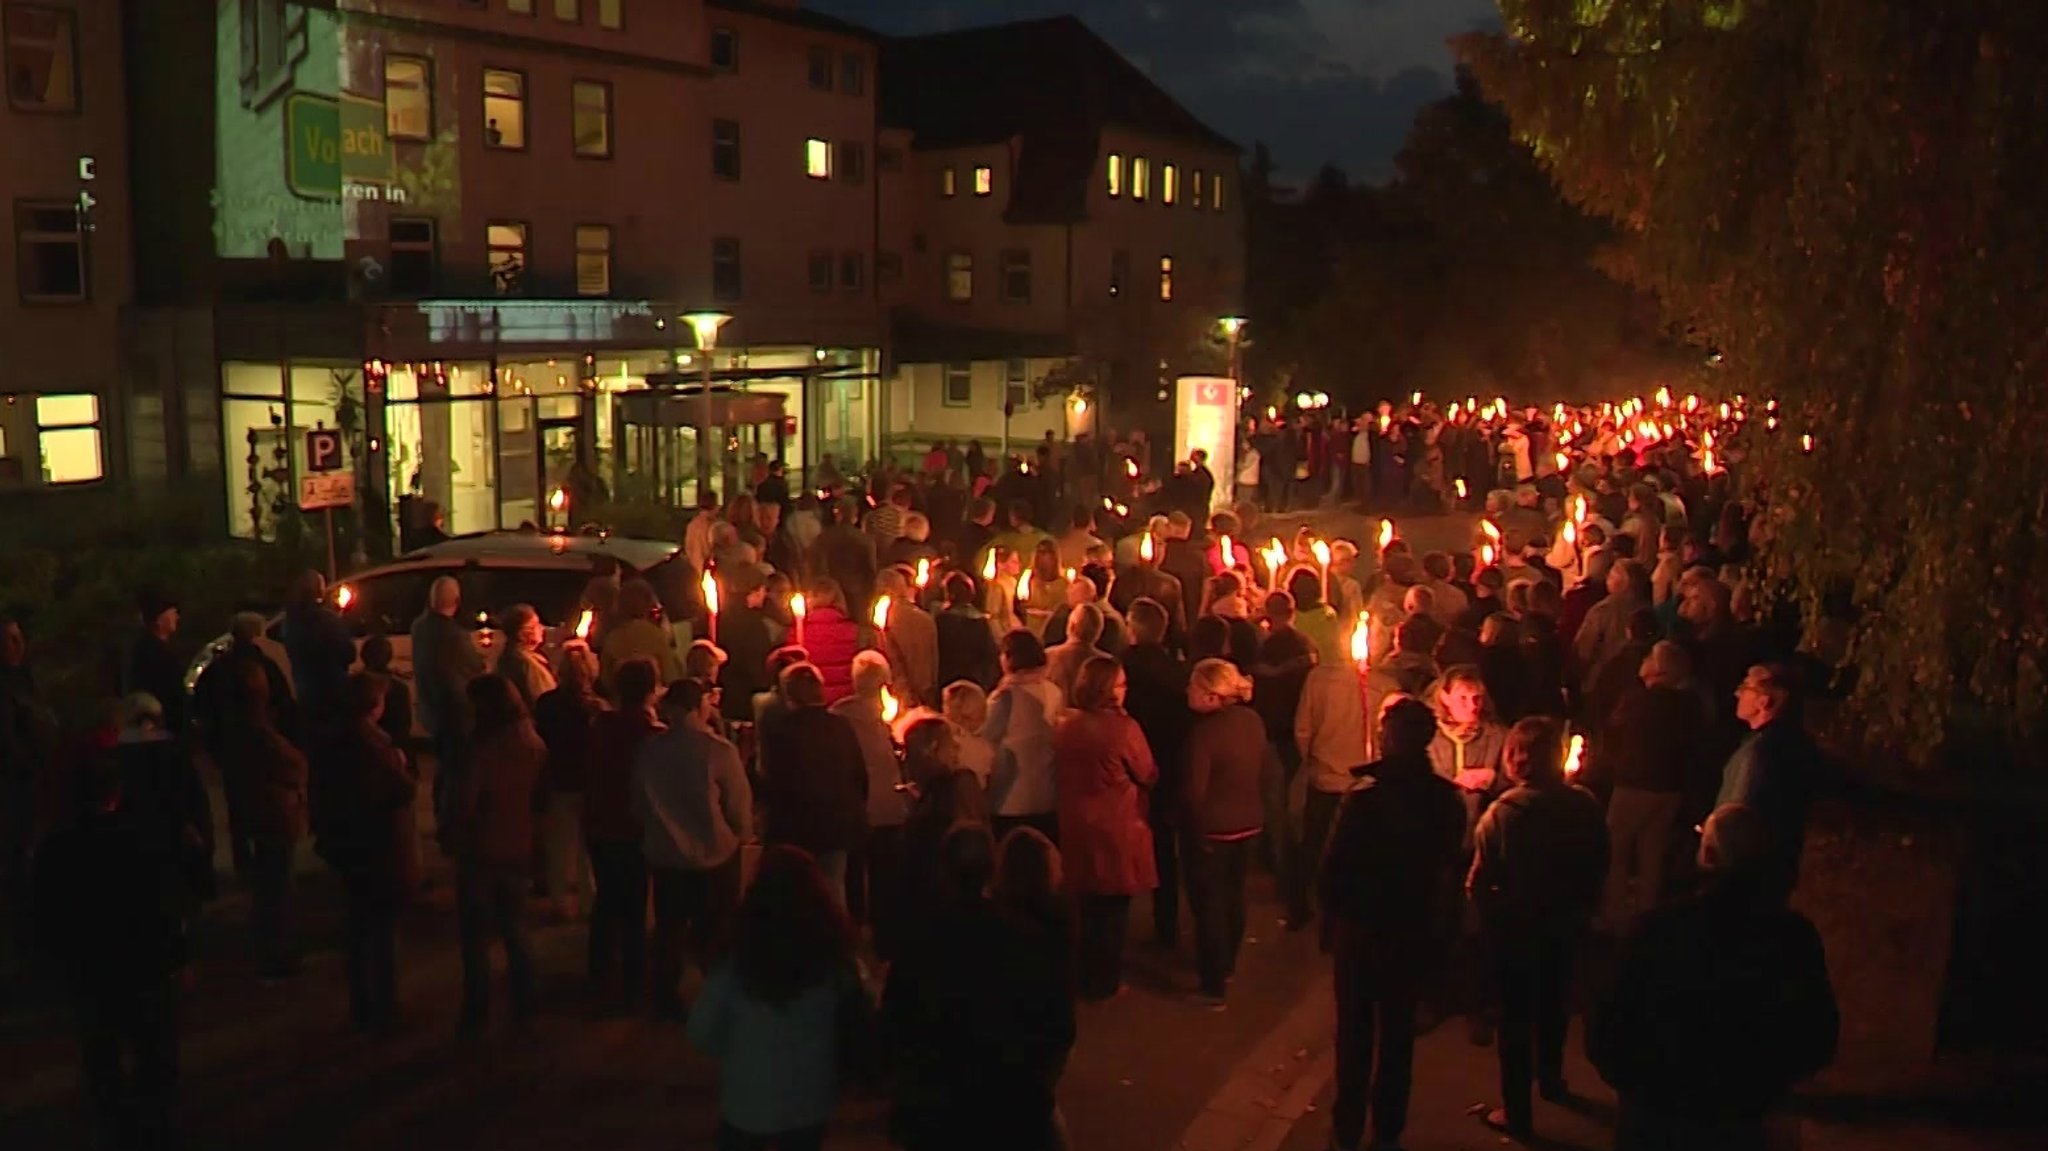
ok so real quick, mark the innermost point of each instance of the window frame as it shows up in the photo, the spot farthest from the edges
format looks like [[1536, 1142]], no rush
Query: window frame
[[949, 182], [949, 371], [519, 7], [26, 239], [525, 136], [718, 147], [97, 425], [1141, 178], [984, 181], [426, 67], [821, 260], [575, 7], [853, 74], [525, 250], [820, 80], [617, 8], [850, 161], [731, 36], [1216, 191], [1113, 170], [852, 260], [1195, 189], [818, 157], [1016, 383], [720, 247], [432, 248], [577, 86], [965, 266], [582, 250], [1013, 262], [1169, 184], [69, 18]]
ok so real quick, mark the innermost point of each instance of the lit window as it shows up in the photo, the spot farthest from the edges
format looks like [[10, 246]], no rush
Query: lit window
[[817, 159], [523, 7], [504, 109], [1166, 277], [984, 180], [42, 58], [408, 99], [949, 183], [1216, 192], [1116, 175], [68, 438], [49, 246], [592, 107], [414, 262], [1169, 183], [725, 149], [725, 267], [959, 386], [506, 250], [1140, 173], [1016, 280], [593, 260], [725, 50], [611, 13], [960, 277], [1195, 188], [570, 10]]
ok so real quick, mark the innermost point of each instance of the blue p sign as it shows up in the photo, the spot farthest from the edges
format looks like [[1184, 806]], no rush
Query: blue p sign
[[323, 450]]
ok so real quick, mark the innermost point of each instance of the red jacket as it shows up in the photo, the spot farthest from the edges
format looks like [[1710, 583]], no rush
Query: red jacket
[[833, 640], [1105, 768]]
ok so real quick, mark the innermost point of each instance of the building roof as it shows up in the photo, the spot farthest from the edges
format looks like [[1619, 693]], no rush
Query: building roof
[[1051, 86], [794, 14], [923, 342]]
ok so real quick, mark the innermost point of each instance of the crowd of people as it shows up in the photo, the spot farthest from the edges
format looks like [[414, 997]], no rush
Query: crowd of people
[[905, 739]]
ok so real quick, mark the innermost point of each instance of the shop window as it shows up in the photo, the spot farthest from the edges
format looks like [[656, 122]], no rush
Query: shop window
[[852, 271], [821, 270], [853, 162], [68, 438], [415, 258], [506, 253], [504, 109], [725, 50], [408, 98], [725, 268], [50, 251], [1016, 276], [725, 149], [821, 68], [959, 386], [592, 101], [1166, 277], [960, 277], [818, 159], [42, 58], [984, 180], [593, 260]]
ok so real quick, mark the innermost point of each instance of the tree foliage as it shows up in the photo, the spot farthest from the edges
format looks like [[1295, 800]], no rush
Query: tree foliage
[[1843, 196], [1467, 274]]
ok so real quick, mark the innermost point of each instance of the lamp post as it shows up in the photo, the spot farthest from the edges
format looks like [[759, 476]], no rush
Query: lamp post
[[1233, 333], [706, 326]]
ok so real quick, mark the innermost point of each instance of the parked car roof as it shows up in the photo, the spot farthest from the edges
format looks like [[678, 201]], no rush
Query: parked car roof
[[541, 547]]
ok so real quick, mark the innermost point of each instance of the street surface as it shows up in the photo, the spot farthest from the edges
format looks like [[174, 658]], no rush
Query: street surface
[[277, 1066]]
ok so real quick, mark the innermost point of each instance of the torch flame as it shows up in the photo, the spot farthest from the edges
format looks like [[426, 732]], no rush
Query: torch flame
[[557, 500], [1564, 462], [1486, 554], [1806, 443], [797, 606], [882, 606], [1384, 421], [1131, 468], [583, 623], [988, 566], [1226, 553], [1276, 556], [1492, 532], [1024, 585], [924, 572], [891, 707], [344, 596], [1145, 548], [1460, 483], [1708, 463], [1386, 533], [710, 585], [1663, 397], [1571, 534], [1579, 509], [1572, 757], [1415, 400], [1321, 550], [1361, 639]]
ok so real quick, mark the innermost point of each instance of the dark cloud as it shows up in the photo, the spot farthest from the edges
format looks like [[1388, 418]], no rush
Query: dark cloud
[[1334, 81]]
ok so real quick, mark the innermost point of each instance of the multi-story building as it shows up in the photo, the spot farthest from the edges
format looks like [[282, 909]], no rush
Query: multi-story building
[[467, 233], [1060, 239], [65, 417]]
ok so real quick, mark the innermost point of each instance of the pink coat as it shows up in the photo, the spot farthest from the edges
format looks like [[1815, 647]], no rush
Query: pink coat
[[833, 640], [1105, 767]]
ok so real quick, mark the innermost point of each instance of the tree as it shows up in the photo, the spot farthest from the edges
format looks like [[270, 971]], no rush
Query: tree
[[1843, 197]]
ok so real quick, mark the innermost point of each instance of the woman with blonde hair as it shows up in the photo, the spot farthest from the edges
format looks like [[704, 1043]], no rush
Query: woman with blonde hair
[[1105, 770], [1228, 757], [965, 706]]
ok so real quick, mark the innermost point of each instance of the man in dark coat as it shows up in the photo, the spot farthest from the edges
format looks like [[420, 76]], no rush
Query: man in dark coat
[[1393, 855], [814, 779]]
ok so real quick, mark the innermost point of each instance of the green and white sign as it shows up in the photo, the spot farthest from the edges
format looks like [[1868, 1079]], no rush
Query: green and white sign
[[336, 148]]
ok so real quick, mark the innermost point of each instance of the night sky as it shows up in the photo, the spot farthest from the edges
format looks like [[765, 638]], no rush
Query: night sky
[[1319, 80]]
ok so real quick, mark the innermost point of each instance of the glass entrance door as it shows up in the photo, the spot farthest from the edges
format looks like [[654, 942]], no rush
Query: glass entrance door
[[519, 463]]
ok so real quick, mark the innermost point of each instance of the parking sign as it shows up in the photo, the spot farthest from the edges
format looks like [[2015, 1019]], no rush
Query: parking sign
[[323, 450]]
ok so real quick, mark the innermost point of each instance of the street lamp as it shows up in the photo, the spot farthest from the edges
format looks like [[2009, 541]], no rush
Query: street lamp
[[1233, 331], [706, 326]]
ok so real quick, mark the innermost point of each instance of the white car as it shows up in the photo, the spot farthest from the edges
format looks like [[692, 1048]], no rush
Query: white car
[[496, 570]]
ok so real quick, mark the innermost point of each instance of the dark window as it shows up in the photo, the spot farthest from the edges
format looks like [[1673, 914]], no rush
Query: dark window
[[888, 267], [725, 267], [42, 58], [852, 271], [725, 50], [821, 69], [1017, 276], [50, 250], [414, 259], [1119, 273], [821, 270], [853, 74], [959, 386], [725, 149], [853, 162]]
